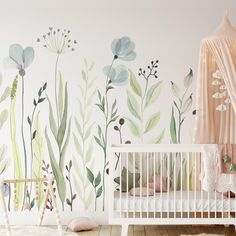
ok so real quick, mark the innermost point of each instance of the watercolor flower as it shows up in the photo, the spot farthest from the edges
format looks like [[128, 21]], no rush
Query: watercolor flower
[[19, 58], [123, 48], [118, 75], [58, 41]]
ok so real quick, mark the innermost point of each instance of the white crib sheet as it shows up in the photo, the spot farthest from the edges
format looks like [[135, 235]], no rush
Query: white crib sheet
[[154, 203]]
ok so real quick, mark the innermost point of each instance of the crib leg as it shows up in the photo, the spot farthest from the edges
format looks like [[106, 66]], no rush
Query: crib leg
[[124, 229]]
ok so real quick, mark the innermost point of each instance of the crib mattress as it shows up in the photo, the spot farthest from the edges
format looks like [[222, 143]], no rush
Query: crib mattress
[[189, 202]]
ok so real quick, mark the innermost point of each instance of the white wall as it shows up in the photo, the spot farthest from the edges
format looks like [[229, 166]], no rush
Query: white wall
[[169, 31]]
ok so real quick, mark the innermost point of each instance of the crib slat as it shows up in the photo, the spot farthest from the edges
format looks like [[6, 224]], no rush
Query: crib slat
[[121, 185], [228, 204], [127, 184], [174, 155], [188, 176], [222, 205], [215, 205], [181, 183], [147, 161], [195, 185], [141, 181], [208, 195], [168, 184], [154, 174], [161, 157], [134, 184]]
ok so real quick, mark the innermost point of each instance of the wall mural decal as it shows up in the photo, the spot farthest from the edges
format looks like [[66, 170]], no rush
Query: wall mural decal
[[83, 137], [122, 49], [139, 100], [182, 104], [59, 42], [40, 147]]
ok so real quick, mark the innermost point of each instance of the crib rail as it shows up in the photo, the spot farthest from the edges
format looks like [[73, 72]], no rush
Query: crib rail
[[150, 182]]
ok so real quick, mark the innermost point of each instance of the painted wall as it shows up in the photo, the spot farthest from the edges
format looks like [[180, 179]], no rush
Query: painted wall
[[86, 74]]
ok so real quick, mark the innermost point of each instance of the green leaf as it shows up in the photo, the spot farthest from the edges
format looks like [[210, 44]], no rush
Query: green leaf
[[52, 122], [38, 147], [175, 90], [29, 121], [134, 128], [18, 166], [113, 105], [88, 131], [188, 79], [98, 141], [152, 122], [60, 181], [90, 176], [64, 148], [159, 138], [83, 75], [173, 127], [77, 145], [5, 94], [34, 135], [78, 128], [97, 180], [187, 105], [133, 105], [60, 96], [99, 192], [3, 117], [153, 93], [89, 152], [134, 84], [62, 127], [41, 100], [91, 66]]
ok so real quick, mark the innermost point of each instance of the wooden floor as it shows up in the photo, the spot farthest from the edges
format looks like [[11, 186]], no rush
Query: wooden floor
[[161, 230]]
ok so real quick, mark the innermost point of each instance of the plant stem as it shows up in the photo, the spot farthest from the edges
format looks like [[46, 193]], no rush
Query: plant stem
[[83, 131], [31, 147], [57, 112], [106, 113], [22, 131], [95, 202], [180, 115], [71, 194]]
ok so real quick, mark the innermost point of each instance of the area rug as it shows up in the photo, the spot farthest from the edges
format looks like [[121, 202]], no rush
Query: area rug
[[34, 231]]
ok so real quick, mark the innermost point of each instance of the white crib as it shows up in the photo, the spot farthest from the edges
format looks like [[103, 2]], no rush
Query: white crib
[[183, 202]]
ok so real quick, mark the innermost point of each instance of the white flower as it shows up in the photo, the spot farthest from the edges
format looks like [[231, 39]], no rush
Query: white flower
[[217, 95], [217, 75], [215, 82], [222, 87], [221, 107]]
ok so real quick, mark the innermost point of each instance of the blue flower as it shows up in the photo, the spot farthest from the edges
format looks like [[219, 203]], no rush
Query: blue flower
[[19, 58], [119, 75], [123, 49], [6, 189]]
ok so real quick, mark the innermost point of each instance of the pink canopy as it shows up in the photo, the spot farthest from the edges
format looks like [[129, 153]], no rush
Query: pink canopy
[[216, 87], [216, 107]]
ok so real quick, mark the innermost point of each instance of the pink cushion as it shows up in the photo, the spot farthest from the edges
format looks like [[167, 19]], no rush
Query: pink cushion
[[81, 223], [143, 191], [157, 186]]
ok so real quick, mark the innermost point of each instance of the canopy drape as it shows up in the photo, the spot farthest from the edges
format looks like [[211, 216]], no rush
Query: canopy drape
[[216, 100]]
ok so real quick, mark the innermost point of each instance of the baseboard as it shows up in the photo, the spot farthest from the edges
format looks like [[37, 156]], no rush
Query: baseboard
[[31, 218]]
